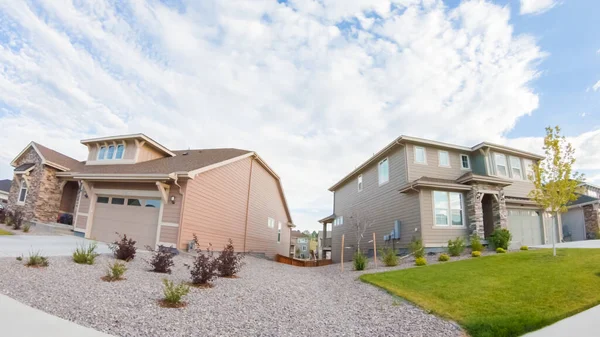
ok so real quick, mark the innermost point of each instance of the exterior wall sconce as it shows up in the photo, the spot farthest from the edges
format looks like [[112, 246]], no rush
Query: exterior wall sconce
[[172, 199]]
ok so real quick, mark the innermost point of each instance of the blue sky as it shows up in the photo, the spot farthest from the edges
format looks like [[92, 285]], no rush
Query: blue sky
[[315, 87]]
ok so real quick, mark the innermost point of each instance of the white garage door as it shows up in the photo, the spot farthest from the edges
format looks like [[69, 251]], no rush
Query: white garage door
[[525, 225], [135, 217]]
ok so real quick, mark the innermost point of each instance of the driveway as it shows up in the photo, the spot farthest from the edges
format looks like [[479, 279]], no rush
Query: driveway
[[574, 244], [17, 245]]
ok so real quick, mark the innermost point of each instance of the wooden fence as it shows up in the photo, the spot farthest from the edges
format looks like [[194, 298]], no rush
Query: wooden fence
[[301, 263]]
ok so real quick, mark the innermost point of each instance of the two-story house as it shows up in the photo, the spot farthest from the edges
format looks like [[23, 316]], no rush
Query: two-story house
[[436, 191], [133, 185]]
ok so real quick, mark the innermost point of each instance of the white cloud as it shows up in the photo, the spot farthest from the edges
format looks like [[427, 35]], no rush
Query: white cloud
[[596, 86], [314, 88], [537, 6]]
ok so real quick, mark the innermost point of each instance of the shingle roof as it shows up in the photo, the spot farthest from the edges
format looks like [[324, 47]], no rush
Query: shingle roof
[[5, 185], [583, 199], [58, 158]]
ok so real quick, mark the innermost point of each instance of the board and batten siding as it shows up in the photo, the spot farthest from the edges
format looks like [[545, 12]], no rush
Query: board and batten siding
[[432, 169], [384, 203], [148, 153], [437, 236]]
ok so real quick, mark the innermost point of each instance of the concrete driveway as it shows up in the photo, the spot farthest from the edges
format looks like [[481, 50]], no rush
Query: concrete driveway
[[47, 245], [574, 244]]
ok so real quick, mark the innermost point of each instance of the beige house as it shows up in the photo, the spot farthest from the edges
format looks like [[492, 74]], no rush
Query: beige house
[[436, 191], [133, 185]]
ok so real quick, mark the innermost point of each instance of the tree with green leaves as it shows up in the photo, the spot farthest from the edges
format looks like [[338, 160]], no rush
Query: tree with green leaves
[[555, 182]]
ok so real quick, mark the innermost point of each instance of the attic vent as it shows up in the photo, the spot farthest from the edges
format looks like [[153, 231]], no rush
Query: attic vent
[[184, 154]]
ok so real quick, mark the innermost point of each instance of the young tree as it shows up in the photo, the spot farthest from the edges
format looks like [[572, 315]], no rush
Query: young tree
[[555, 183], [360, 221]]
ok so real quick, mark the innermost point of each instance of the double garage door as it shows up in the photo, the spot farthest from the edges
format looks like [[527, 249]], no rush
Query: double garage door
[[525, 226], [133, 216]]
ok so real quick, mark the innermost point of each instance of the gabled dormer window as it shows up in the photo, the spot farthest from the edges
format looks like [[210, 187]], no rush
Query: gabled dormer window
[[102, 152], [110, 152], [120, 151]]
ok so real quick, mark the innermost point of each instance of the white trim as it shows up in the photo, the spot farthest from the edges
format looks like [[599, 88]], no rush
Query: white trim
[[159, 224], [19, 202], [133, 136], [169, 224], [31, 144], [192, 174], [520, 167], [387, 160], [90, 219], [78, 230], [110, 162], [79, 193], [127, 193], [449, 225], [127, 176], [83, 214], [360, 182], [506, 149], [415, 147], [447, 156], [460, 157], [506, 167]]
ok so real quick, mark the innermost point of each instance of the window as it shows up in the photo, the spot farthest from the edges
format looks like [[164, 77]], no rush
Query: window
[[120, 150], [153, 203], [500, 160], [444, 158], [279, 232], [271, 223], [101, 152], [515, 167], [420, 155], [303, 248], [464, 162], [22, 192], [384, 171], [448, 209], [360, 183], [110, 152], [528, 168], [102, 200], [134, 202], [338, 221], [117, 201]]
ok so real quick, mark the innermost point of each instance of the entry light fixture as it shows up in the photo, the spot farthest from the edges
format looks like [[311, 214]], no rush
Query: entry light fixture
[[172, 199]]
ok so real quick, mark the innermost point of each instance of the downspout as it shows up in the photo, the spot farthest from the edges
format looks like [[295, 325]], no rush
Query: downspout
[[248, 204]]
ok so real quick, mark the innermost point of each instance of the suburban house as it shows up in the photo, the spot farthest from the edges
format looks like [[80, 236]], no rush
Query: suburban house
[[434, 191], [324, 247], [4, 189], [133, 185], [581, 221], [295, 234]]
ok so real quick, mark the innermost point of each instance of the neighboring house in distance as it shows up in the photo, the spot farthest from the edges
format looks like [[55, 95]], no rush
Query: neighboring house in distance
[[133, 185], [581, 221], [324, 248], [436, 191], [302, 247], [4, 190], [295, 234]]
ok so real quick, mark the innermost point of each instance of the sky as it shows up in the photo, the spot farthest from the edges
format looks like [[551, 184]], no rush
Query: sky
[[314, 87]]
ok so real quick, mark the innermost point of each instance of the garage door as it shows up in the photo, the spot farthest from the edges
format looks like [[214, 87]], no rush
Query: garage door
[[525, 226], [135, 217]]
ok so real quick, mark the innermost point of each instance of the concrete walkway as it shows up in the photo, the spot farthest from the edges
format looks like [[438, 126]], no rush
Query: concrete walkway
[[584, 324], [47, 245], [18, 319], [574, 244]]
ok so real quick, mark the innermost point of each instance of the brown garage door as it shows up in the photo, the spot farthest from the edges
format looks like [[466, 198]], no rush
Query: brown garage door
[[135, 217]]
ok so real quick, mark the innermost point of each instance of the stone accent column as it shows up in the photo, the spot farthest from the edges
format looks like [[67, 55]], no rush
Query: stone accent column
[[590, 216], [475, 212], [499, 211]]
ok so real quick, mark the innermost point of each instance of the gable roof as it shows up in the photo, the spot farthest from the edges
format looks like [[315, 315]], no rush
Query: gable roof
[[583, 200], [50, 157], [5, 185]]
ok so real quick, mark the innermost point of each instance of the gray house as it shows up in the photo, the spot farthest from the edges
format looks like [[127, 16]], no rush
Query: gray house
[[4, 190], [581, 221], [435, 192]]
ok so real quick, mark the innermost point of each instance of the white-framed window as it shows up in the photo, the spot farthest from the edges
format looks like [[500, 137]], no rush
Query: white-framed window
[[420, 155], [448, 209], [110, 152], [360, 183], [338, 221], [22, 192], [303, 248], [384, 171], [120, 151], [515, 167], [101, 152], [443, 158], [465, 163], [528, 163], [271, 223], [279, 232], [500, 161]]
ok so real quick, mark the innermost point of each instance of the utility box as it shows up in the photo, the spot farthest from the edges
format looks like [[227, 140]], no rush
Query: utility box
[[396, 230]]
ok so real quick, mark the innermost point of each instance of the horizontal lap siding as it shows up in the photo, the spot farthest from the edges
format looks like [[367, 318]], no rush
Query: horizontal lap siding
[[432, 169], [172, 211], [81, 222], [438, 237], [84, 202], [519, 188], [265, 202], [168, 234], [215, 206]]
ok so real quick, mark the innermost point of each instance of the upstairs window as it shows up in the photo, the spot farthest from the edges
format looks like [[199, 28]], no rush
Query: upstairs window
[[102, 152], [515, 168], [500, 161], [360, 183], [444, 158], [384, 171], [120, 151], [110, 152], [420, 155], [22, 192], [464, 162], [528, 168], [338, 221]]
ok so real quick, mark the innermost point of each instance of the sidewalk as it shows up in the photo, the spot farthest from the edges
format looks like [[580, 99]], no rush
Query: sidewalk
[[584, 324], [18, 319]]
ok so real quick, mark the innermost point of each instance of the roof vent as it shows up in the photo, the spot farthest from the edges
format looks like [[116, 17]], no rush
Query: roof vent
[[184, 154]]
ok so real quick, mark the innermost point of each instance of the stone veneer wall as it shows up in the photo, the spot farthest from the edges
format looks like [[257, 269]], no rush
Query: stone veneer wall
[[475, 209], [590, 216]]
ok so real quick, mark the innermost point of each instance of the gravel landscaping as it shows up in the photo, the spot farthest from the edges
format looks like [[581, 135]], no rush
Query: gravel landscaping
[[268, 299]]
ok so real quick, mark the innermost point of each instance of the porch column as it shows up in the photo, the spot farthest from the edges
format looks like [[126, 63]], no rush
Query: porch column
[[475, 212], [499, 210]]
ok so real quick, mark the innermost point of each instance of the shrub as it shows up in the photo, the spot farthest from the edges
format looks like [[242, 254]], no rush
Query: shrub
[[85, 254], [205, 266], [443, 257], [162, 259], [416, 248], [26, 228], [524, 248], [124, 248], [456, 247], [115, 272], [16, 219], [420, 261], [389, 257], [174, 293], [36, 260], [500, 250], [360, 261], [476, 245], [229, 261], [2, 216], [20, 258], [476, 253], [501, 238]]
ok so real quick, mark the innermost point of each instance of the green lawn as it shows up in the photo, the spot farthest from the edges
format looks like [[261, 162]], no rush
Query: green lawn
[[505, 294], [3, 232]]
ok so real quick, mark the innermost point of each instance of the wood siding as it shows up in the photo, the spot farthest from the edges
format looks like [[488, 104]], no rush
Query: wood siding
[[432, 169], [69, 197], [81, 222], [84, 202], [519, 188], [172, 212], [168, 235], [438, 236], [384, 203]]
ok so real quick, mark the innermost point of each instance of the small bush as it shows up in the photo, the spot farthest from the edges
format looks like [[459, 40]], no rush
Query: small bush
[[36, 260], [389, 257], [124, 248], [26, 228], [20, 258], [524, 248], [476, 245], [174, 293], [205, 266], [17, 219], [229, 261], [115, 272], [420, 261], [2, 216], [85, 254], [443, 257], [476, 253], [416, 248], [500, 250], [456, 247], [500, 238], [360, 261], [162, 259]]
